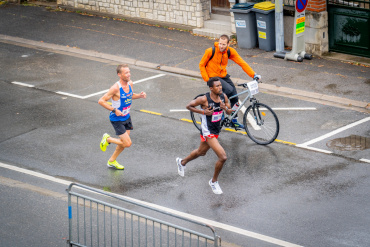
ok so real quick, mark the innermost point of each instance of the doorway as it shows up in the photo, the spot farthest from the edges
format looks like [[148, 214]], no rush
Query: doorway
[[220, 7]]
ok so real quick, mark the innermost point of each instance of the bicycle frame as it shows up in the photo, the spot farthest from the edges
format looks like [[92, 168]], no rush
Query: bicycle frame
[[242, 104]]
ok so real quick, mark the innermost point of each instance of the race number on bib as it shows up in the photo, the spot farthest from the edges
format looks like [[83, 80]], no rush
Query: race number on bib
[[216, 116], [126, 110], [253, 87]]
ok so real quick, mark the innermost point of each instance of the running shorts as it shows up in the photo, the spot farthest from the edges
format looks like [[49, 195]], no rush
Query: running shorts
[[121, 126], [203, 139]]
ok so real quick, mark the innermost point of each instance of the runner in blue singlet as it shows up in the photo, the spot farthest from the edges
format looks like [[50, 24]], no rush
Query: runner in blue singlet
[[122, 95], [212, 105]]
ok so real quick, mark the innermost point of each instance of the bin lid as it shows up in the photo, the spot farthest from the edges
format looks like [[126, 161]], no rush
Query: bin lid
[[243, 6], [264, 6]]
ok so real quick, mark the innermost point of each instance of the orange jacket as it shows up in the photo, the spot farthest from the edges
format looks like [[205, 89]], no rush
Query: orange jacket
[[217, 66]]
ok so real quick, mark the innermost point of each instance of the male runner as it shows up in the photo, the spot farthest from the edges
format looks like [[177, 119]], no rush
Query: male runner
[[212, 105], [121, 94], [214, 63]]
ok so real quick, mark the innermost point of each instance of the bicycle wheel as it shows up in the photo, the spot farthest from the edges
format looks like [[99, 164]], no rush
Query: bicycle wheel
[[261, 123], [196, 117]]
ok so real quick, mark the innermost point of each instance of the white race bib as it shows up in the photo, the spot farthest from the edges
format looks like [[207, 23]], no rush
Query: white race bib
[[253, 87], [126, 110], [216, 116]]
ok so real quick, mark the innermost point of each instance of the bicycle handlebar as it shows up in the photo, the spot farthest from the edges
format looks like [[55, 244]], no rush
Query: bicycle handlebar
[[245, 84]]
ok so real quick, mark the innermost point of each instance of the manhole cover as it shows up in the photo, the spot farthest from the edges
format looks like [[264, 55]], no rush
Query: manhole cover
[[349, 143]]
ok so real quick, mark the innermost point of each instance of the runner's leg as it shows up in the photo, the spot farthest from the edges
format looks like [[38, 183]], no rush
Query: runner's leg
[[229, 89], [201, 151], [122, 143], [221, 154]]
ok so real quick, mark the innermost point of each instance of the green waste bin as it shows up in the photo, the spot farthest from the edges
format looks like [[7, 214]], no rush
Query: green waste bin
[[245, 26], [265, 22]]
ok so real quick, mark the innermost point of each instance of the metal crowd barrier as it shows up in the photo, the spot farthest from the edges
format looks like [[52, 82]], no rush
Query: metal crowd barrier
[[94, 222]]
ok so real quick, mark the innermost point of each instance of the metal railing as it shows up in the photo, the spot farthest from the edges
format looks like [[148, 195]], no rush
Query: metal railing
[[94, 222]]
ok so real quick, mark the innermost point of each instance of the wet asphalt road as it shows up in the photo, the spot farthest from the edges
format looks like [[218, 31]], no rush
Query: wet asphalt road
[[178, 49], [300, 196]]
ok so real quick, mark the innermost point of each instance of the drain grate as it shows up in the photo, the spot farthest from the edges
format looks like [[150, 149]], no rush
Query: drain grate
[[349, 143]]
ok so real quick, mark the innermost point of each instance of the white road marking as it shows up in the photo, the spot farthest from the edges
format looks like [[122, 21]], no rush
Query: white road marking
[[94, 94], [90, 95], [189, 216], [178, 110], [334, 132], [70, 95], [22, 84], [291, 108], [365, 160], [315, 149], [149, 78]]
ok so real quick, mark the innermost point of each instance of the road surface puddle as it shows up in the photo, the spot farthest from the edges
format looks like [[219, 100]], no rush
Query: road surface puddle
[[349, 143]]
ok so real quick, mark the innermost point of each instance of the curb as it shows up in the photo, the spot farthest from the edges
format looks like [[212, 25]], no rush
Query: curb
[[364, 106]]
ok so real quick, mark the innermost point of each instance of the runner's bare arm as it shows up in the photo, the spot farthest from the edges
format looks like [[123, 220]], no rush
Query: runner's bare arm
[[103, 101], [202, 101], [226, 106]]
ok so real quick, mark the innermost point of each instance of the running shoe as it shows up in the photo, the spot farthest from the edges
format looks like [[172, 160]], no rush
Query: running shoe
[[215, 187], [180, 168], [237, 124], [104, 143], [115, 164]]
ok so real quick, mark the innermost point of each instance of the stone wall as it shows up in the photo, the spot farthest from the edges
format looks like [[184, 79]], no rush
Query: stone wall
[[183, 12]]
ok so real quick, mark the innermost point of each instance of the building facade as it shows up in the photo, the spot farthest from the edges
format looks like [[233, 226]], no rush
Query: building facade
[[194, 13]]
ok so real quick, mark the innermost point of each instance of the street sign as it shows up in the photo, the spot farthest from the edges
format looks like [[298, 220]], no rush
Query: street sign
[[300, 5]]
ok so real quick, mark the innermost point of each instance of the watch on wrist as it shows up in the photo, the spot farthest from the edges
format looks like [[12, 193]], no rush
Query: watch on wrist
[[114, 110]]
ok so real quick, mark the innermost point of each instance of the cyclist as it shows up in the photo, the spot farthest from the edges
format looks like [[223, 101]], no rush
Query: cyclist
[[212, 105], [122, 95], [214, 63]]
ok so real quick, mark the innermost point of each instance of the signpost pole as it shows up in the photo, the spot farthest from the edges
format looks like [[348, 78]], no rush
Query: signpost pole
[[279, 26], [298, 49]]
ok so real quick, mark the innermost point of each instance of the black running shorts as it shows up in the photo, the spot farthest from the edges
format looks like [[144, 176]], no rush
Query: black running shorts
[[121, 126]]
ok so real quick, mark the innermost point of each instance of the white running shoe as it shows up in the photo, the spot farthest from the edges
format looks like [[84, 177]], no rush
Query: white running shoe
[[215, 187], [180, 168]]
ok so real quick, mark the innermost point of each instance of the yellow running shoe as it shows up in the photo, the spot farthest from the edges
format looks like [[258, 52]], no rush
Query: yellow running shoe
[[115, 164], [104, 144]]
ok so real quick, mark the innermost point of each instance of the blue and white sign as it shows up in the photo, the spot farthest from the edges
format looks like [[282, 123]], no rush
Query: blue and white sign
[[240, 24], [261, 24]]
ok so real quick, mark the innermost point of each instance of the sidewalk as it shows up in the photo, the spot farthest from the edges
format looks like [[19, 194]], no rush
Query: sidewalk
[[337, 79]]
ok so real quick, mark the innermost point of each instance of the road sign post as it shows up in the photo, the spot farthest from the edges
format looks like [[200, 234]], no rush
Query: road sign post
[[298, 49]]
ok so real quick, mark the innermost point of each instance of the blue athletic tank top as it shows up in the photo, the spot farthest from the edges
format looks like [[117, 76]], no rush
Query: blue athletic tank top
[[123, 104]]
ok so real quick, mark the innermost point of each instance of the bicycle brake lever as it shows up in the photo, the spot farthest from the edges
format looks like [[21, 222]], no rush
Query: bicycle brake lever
[[243, 85]]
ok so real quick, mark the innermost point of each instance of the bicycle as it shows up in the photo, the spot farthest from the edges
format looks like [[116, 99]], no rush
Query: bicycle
[[260, 121]]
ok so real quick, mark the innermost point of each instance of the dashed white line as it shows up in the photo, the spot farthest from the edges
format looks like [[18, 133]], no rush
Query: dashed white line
[[186, 215]]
